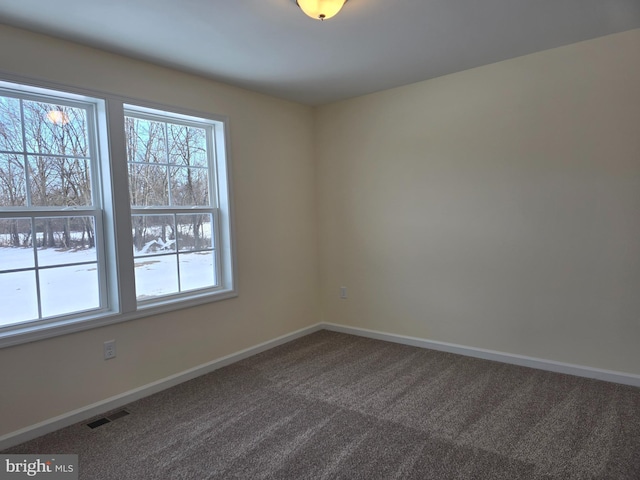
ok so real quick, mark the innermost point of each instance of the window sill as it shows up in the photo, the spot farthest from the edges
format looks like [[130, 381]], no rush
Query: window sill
[[31, 333]]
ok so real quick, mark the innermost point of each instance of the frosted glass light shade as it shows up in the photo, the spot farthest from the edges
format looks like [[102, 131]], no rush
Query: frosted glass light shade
[[321, 9]]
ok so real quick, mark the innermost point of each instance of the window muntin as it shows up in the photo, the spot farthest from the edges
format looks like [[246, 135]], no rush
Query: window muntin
[[49, 210]]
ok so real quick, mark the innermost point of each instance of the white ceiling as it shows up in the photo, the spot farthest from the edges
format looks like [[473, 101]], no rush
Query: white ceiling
[[272, 47]]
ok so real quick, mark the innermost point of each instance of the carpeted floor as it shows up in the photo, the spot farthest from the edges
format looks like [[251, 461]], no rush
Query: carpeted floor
[[331, 405]]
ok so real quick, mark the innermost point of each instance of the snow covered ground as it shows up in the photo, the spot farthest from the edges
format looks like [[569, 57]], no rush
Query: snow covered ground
[[71, 288]]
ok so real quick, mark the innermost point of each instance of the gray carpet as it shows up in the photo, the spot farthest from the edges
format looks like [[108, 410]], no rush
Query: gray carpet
[[335, 406]]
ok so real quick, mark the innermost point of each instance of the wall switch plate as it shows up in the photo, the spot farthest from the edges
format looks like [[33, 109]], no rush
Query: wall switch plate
[[109, 349], [343, 292]]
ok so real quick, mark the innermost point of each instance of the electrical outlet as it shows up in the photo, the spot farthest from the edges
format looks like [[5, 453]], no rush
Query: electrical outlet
[[109, 349], [343, 292]]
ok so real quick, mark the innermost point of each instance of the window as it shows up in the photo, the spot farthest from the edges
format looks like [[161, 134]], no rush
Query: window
[[51, 208], [75, 250], [173, 216]]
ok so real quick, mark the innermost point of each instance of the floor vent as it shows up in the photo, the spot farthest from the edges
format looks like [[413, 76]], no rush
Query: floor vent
[[110, 418], [98, 422]]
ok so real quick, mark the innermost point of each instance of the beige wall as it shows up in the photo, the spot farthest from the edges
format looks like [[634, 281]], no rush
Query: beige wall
[[497, 208], [273, 181]]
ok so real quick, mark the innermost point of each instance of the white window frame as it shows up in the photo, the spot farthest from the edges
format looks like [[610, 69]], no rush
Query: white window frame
[[118, 296], [217, 203], [95, 210]]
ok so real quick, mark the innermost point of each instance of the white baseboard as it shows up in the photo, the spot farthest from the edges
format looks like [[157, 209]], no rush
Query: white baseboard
[[117, 401], [540, 364]]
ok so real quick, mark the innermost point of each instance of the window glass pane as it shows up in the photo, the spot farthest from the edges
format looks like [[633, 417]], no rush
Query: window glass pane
[[12, 181], [156, 276], [153, 234], [197, 270], [18, 297], [10, 125], [194, 232], [16, 249], [59, 182], [148, 186], [65, 240], [189, 186], [187, 145], [146, 140], [70, 289], [55, 129]]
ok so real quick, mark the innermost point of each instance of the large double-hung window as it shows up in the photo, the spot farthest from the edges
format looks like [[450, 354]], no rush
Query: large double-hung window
[[108, 210], [51, 208], [172, 193]]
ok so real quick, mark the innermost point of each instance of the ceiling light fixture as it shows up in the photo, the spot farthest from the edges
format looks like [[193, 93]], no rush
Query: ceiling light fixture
[[321, 9], [58, 117]]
